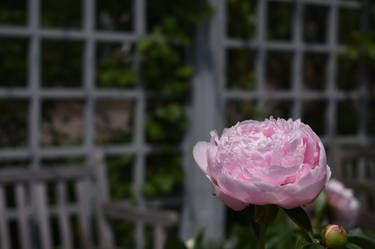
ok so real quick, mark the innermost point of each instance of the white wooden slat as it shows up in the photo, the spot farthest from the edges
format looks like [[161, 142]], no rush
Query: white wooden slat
[[42, 215], [361, 169], [23, 225], [102, 196], [84, 197], [371, 166], [53, 211], [63, 216], [4, 233], [361, 195], [159, 237]]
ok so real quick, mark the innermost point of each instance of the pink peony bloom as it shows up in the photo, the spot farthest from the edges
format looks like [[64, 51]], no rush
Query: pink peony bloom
[[344, 205], [281, 162]]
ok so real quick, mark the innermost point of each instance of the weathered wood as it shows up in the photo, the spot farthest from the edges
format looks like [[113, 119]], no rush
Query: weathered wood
[[11, 175], [42, 215], [206, 114], [363, 184], [102, 195], [149, 217], [23, 224], [84, 195], [159, 237], [62, 216], [93, 201], [359, 185], [361, 169], [356, 152], [367, 220], [4, 232]]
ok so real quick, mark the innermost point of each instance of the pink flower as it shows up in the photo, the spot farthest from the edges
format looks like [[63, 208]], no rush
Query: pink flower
[[281, 162], [344, 205]]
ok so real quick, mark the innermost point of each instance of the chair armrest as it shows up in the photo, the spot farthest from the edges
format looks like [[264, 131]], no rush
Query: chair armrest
[[166, 218]]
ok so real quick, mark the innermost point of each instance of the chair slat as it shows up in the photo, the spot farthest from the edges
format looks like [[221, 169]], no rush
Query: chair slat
[[361, 169], [24, 228], [102, 195], [63, 217], [363, 184], [4, 232], [12, 175], [42, 214], [371, 166], [159, 237], [83, 196]]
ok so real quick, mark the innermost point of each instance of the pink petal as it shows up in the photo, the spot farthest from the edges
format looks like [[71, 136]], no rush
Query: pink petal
[[213, 169], [276, 174], [233, 203], [258, 193], [302, 194], [200, 155]]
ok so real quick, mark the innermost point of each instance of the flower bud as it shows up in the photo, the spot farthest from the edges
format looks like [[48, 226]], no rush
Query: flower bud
[[265, 214], [334, 237]]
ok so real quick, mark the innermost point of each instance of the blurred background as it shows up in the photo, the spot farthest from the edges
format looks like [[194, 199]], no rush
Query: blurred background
[[142, 81]]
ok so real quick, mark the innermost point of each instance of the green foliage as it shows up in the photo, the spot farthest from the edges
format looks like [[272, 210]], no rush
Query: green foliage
[[115, 69], [13, 54], [114, 14], [279, 235], [13, 133], [361, 238], [176, 19], [61, 63], [13, 12], [61, 13], [166, 123], [320, 209], [164, 67], [124, 233], [164, 174], [120, 176], [280, 21], [361, 44], [241, 69], [241, 19]]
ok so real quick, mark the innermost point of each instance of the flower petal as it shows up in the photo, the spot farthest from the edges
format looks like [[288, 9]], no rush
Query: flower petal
[[233, 203], [200, 154]]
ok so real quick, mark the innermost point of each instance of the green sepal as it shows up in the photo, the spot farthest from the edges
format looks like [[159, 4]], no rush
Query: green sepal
[[299, 216], [265, 214], [254, 225]]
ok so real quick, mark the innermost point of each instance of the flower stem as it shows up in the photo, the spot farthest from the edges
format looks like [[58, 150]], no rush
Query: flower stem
[[262, 233]]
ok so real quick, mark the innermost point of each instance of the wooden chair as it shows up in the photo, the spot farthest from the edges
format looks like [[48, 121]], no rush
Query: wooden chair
[[25, 214], [355, 167]]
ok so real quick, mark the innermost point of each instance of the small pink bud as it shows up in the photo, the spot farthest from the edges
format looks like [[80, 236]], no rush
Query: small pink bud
[[334, 237]]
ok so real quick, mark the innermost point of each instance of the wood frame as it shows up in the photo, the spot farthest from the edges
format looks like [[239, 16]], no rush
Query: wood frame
[[32, 211]]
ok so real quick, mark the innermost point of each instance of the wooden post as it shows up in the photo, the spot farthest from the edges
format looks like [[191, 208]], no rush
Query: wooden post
[[201, 209]]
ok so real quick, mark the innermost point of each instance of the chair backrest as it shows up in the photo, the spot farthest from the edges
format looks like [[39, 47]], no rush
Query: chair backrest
[[355, 167], [51, 207]]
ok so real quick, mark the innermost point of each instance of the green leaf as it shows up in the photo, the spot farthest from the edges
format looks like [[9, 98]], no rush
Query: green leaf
[[173, 242], [361, 238], [320, 203], [314, 246], [254, 225], [352, 246], [198, 240], [302, 243], [299, 216]]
